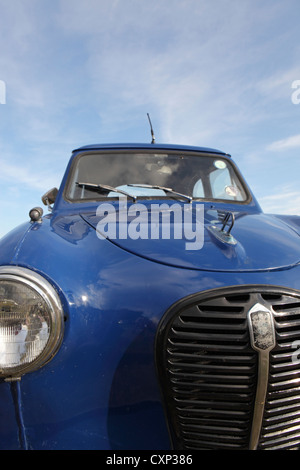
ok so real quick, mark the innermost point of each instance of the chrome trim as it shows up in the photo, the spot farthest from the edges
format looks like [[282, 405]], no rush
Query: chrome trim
[[262, 337], [38, 283]]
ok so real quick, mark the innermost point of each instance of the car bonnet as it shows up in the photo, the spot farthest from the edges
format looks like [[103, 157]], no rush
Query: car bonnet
[[257, 242]]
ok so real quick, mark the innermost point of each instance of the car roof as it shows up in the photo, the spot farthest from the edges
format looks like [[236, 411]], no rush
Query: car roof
[[145, 146]]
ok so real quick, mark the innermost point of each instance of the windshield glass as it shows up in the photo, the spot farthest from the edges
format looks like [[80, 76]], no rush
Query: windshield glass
[[201, 176]]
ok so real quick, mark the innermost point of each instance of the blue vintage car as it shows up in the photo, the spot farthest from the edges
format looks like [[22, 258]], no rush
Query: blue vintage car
[[154, 306]]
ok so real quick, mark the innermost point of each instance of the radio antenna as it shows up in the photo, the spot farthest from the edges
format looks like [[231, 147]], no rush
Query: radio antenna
[[152, 133]]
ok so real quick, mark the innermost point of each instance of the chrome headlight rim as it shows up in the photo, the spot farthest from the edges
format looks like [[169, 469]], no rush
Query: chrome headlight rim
[[47, 292]]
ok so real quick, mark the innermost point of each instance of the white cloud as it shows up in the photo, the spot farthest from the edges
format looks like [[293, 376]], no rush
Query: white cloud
[[186, 63], [19, 176], [279, 84], [285, 144], [285, 201]]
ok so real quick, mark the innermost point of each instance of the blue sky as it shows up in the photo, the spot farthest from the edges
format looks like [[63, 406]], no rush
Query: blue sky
[[216, 73]]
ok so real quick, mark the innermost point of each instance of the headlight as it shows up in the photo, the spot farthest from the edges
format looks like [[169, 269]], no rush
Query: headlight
[[31, 321]]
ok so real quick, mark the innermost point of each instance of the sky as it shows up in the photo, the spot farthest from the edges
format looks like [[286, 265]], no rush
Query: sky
[[215, 73]]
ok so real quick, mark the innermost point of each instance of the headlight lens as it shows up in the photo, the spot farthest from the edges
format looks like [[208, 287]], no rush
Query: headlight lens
[[31, 321]]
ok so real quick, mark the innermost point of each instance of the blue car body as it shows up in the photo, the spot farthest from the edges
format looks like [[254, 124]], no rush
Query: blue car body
[[105, 386]]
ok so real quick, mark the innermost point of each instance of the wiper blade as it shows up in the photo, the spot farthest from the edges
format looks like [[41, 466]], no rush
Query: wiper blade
[[105, 187], [167, 190]]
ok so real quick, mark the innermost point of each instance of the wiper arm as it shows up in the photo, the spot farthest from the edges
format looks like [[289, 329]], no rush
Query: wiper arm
[[105, 187], [167, 190]]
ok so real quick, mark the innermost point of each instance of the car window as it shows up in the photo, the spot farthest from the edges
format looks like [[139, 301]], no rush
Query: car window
[[224, 185], [198, 190], [200, 176]]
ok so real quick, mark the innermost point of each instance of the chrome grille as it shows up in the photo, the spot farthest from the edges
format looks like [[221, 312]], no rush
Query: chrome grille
[[208, 370], [281, 425]]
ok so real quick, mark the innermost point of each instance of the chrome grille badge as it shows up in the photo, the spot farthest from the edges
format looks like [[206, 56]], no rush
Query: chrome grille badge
[[262, 337], [261, 325]]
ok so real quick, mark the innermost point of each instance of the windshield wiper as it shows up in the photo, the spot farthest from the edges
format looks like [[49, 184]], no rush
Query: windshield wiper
[[105, 187], [167, 190]]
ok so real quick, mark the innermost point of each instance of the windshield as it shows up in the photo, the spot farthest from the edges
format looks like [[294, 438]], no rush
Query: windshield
[[150, 175]]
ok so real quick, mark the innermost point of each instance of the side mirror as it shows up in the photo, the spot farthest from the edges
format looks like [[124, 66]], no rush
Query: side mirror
[[49, 197]]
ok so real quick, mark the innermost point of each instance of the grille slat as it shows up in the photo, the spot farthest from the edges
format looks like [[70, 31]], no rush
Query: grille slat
[[197, 407], [207, 335], [204, 345], [209, 370]]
